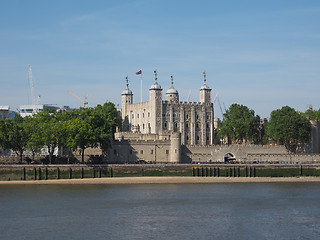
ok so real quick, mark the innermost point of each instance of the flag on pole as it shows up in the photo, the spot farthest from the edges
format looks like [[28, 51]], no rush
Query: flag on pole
[[138, 73]]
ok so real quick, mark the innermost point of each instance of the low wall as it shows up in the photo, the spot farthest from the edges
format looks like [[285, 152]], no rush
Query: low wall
[[51, 172]]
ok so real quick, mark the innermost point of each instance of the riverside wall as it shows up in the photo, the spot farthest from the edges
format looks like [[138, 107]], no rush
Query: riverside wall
[[158, 151]]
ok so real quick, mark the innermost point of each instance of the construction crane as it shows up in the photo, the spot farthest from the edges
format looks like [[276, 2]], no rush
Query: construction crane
[[220, 109], [95, 99], [31, 85], [215, 99], [84, 101], [189, 95]]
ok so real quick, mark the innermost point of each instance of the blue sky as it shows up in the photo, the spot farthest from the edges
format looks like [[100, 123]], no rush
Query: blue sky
[[263, 54]]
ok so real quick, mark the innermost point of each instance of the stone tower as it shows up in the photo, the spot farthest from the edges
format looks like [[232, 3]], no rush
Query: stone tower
[[175, 148], [155, 92], [172, 94], [127, 99], [205, 91]]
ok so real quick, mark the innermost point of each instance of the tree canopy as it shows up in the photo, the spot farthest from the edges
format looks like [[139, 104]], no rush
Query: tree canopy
[[288, 127], [240, 125], [312, 114], [71, 130]]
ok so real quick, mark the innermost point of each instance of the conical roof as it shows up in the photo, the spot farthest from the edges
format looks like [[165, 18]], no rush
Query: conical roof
[[172, 90]]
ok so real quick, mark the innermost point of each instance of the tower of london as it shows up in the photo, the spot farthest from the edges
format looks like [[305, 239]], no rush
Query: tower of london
[[162, 126]]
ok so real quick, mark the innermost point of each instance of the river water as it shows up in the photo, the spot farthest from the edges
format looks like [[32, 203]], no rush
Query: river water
[[164, 211]]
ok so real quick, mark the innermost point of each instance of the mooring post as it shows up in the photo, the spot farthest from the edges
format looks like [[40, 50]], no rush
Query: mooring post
[[70, 173], [82, 173], [24, 173], [35, 174], [40, 177], [46, 173], [99, 172], [58, 173]]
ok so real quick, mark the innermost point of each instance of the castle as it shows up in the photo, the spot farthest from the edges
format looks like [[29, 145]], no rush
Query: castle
[[155, 130], [172, 131]]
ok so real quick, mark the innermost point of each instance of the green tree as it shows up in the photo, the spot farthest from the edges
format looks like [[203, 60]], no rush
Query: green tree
[[289, 128], [34, 143], [50, 130], [14, 135], [240, 125], [106, 120], [312, 114]]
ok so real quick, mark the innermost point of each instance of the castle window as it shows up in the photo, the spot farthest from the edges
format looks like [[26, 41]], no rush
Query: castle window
[[197, 116], [187, 125], [167, 151], [114, 151], [130, 151], [198, 138], [142, 126], [132, 116], [207, 125], [143, 115], [187, 116], [207, 138], [141, 151], [138, 115], [176, 124], [187, 137], [165, 125], [151, 152], [148, 114], [207, 117], [197, 125]]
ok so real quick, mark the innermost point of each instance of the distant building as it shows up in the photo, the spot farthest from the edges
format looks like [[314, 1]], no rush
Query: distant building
[[29, 110], [4, 112]]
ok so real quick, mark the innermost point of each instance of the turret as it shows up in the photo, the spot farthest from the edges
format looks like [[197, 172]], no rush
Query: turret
[[127, 99], [156, 105], [205, 91], [172, 94], [175, 148]]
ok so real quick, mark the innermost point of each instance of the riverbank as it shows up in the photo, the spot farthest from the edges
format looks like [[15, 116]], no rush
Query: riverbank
[[165, 180]]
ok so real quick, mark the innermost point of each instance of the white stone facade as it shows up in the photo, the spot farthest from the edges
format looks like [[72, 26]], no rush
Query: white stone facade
[[193, 120]]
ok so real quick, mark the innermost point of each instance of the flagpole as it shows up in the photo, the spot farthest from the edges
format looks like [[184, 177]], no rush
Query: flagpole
[[141, 86]]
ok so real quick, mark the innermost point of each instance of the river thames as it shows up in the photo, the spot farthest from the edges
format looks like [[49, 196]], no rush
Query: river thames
[[161, 211]]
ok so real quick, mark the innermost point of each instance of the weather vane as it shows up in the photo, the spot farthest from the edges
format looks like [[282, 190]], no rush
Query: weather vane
[[204, 76], [127, 81], [171, 80], [155, 75]]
